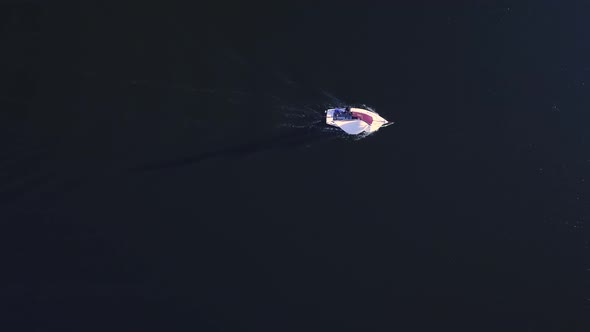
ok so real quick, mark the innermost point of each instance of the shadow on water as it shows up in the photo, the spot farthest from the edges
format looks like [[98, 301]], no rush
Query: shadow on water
[[293, 139]]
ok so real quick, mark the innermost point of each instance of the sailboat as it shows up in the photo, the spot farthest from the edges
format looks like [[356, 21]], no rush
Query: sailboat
[[355, 121]]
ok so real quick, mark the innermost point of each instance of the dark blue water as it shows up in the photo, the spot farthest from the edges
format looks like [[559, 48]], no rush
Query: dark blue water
[[165, 167]]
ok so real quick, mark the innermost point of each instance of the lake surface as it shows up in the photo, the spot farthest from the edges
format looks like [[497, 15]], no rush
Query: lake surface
[[166, 167]]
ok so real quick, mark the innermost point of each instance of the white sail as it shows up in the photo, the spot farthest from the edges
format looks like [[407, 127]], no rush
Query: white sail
[[352, 127]]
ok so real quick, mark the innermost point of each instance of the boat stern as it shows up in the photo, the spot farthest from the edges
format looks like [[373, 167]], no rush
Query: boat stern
[[330, 116]]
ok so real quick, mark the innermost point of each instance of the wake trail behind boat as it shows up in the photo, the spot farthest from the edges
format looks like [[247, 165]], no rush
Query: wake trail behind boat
[[292, 139]]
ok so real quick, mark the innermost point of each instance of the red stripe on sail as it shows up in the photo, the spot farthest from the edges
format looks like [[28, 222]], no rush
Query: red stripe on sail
[[364, 117]]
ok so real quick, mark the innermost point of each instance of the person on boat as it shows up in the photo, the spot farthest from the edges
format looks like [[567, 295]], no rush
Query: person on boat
[[343, 114], [348, 113]]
